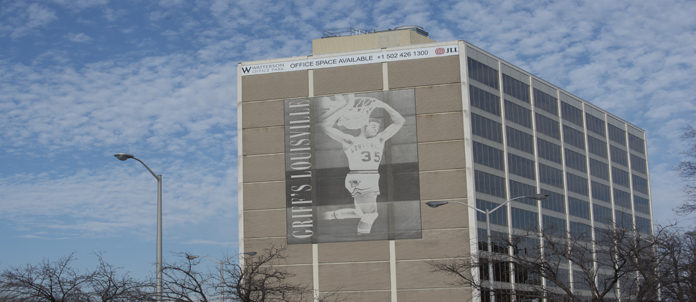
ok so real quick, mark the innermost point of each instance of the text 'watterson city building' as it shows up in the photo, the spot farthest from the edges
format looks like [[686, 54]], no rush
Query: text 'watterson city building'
[[340, 151]]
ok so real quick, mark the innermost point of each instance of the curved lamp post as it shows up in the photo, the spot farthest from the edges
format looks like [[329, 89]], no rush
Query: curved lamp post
[[222, 266], [487, 212], [124, 157]]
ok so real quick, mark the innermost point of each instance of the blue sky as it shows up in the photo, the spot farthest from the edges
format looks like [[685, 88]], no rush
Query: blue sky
[[81, 80]]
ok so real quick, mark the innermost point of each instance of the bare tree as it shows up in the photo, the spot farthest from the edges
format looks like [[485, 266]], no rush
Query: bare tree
[[107, 284], [183, 282], [677, 269], [615, 257], [687, 169], [259, 279], [48, 281]]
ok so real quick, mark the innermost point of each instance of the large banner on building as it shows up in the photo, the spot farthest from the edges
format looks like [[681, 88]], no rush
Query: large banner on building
[[351, 167]]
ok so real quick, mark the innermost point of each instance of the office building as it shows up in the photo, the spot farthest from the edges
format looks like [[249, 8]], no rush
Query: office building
[[340, 151]]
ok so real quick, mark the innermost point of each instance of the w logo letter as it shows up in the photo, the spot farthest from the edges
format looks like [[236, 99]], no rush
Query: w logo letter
[[246, 69]]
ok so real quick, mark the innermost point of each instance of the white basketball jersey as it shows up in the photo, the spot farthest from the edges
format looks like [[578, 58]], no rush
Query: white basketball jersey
[[364, 153]]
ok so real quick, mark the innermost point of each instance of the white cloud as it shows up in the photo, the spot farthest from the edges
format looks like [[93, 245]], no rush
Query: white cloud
[[20, 19], [78, 37]]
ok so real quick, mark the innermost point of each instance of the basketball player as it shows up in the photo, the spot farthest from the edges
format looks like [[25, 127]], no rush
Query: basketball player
[[364, 153]]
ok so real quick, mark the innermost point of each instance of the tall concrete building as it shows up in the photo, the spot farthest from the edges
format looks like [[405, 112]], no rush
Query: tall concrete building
[[340, 151]]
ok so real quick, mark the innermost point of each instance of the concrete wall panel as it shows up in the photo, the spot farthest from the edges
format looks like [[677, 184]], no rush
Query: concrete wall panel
[[270, 86], [356, 78], [432, 71]]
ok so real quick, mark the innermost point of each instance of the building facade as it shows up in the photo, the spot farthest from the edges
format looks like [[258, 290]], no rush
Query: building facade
[[339, 153]]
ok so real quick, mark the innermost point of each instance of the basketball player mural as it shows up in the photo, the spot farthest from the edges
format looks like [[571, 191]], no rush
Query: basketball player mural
[[363, 151]]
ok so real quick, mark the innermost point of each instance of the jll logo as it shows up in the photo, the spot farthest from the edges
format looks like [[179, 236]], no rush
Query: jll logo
[[439, 51]]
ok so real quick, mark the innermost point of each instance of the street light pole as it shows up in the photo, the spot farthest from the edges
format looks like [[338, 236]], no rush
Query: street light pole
[[124, 157], [487, 212]]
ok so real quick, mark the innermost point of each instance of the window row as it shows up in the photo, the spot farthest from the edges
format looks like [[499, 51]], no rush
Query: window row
[[618, 156], [578, 208], [594, 124], [553, 225], [499, 217], [484, 100], [483, 73], [520, 140], [488, 156], [575, 160], [573, 137], [545, 102], [489, 184], [515, 88], [486, 128], [617, 135], [521, 166], [547, 126], [524, 220], [518, 114], [521, 189], [619, 176], [622, 198], [571, 113], [636, 144]]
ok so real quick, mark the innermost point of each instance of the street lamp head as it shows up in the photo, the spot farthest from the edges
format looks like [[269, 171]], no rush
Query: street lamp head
[[249, 253], [123, 156], [191, 257], [538, 196], [435, 204]]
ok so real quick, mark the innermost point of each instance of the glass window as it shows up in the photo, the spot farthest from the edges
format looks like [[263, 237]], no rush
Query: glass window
[[521, 166], [641, 204], [580, 231], [601, 192], [622, 198], [596, 146], [524, 220], [488, 156], [486, 128], [484, 100], [550, 176], [520, 140], [571, 113], [595, 124], [638, 163], [618, 156], [547, 126], [516, 88], [499, 240], [599, 169], [617, 135], [601, 214], [624, 220], [640, 184], [489, 184], [578, 208], [643, 225], [518, 114], [636, 144], [553, 225], [575, 160], [498, 217], [549, 151], [576, 184], [520, 189], [573, 137], [483, 73], [619, 176], [555, 201], [545, 102]]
